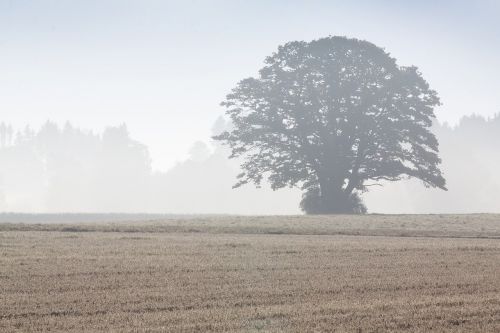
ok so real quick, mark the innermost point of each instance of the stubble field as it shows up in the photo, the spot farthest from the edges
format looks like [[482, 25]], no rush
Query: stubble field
[[254, 274]]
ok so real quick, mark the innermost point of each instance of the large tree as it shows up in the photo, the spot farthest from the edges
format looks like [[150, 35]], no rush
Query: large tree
[[333, 116]]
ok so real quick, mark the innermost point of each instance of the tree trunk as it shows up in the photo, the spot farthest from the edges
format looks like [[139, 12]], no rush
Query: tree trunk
[[333, 199]]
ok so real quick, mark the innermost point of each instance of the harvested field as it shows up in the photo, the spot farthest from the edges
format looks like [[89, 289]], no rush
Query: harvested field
[[254, 274]]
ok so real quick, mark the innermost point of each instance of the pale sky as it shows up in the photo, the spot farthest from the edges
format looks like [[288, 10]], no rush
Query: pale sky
[[163, 67]]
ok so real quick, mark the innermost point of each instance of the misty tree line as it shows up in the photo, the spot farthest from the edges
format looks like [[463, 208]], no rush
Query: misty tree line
[[67, 169]]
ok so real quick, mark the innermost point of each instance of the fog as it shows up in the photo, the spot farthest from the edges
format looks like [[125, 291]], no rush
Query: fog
[[470, 163], [163, 67], [108, 107], [56, 169]]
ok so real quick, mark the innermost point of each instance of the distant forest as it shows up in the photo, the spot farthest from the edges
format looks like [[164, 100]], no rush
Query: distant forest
[[68, 169]]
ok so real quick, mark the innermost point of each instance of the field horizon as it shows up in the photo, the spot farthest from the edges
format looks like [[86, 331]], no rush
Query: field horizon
[[480, 225]]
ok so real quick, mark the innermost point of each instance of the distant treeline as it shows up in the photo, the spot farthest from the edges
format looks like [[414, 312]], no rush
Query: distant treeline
[[68, 169]]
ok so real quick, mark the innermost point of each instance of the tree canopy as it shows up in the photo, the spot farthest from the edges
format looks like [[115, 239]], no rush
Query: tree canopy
[[333, 116]]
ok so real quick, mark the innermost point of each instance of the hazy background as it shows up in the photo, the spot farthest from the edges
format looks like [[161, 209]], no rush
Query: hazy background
[[163, 67]]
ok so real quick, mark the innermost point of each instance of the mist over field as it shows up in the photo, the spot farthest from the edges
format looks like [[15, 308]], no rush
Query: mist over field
[[249, 166], [68, 169]]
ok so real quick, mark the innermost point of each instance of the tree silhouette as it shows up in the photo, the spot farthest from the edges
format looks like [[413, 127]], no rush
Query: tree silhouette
[[329, 116]]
